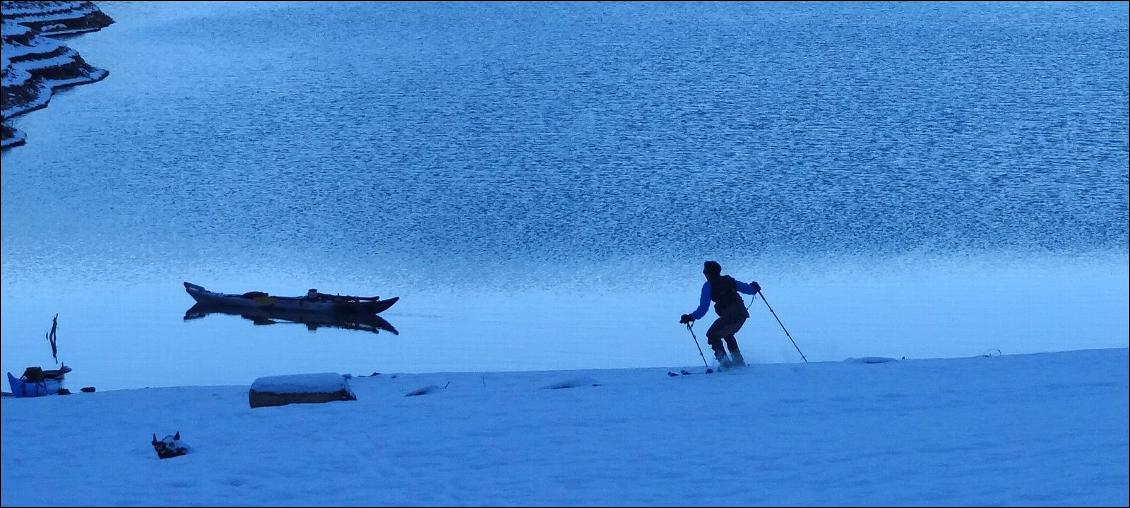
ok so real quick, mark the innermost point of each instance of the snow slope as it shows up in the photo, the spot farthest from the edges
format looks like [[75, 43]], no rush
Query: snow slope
[[1037, 429]]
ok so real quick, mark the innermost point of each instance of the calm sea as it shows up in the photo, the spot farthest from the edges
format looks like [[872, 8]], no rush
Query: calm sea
[[540, 184]]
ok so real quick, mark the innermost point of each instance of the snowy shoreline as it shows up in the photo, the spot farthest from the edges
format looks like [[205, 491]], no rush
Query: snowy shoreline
[[1034, 429], [35, 64]]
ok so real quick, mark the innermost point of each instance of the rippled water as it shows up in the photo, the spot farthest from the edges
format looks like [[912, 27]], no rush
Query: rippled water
[[541, 182]]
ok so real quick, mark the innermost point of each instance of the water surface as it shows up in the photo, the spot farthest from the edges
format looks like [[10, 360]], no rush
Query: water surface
[[540, 183]]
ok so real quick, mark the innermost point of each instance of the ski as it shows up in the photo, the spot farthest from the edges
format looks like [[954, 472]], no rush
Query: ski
[[683, 372]]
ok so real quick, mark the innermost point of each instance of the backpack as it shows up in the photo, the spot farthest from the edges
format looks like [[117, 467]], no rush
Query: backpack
[[33, 375]]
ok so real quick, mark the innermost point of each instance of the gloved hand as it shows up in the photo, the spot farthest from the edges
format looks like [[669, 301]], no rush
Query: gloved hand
[[685, 318], [756, 287]]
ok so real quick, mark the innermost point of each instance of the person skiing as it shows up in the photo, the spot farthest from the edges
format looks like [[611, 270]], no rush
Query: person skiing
[[732, 313]]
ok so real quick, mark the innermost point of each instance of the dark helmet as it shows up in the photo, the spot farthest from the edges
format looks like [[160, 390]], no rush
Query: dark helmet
[[711, 269]]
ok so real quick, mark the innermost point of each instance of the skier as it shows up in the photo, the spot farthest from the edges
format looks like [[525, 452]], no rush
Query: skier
[[732, 313]]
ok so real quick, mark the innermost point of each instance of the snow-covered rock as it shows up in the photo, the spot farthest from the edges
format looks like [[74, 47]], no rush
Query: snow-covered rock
[[299, 388]]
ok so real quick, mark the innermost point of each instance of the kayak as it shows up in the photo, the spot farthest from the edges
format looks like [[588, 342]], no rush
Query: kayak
[[313, 301], [312, 320], [45, 382]]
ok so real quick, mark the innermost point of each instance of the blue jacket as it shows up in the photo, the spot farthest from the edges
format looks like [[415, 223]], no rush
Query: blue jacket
[[704, 300]]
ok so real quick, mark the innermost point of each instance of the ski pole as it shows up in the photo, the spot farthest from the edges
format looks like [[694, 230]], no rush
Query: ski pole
[[708, 369], [782, 325]]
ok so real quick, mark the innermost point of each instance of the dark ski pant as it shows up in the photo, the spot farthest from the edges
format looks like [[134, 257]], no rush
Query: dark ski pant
[[724, 328]]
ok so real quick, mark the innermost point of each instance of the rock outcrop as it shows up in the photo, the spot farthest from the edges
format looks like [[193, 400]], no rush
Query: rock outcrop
[[34, 63]]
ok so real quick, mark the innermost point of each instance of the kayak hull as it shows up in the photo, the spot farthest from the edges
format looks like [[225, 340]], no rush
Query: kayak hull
[[21, 388], [327, 304]]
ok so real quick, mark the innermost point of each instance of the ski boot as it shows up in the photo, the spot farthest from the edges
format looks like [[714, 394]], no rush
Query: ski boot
[[723, 361], [737, 361]]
